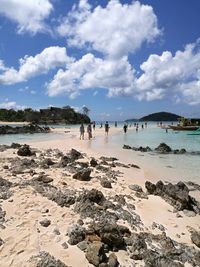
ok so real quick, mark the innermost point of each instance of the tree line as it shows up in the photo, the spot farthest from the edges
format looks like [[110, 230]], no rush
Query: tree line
[[46, 116]]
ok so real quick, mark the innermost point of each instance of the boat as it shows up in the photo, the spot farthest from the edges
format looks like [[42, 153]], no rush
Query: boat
[[183, 128], [197, 132], [184, 125]]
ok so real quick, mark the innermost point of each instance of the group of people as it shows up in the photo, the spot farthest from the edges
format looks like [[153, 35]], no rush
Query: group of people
[[89, 129], [107, 127]]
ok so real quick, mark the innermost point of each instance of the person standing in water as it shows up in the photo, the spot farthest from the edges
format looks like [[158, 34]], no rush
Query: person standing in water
[[89, 130], [106, 128], [82, 131], [125, 127]]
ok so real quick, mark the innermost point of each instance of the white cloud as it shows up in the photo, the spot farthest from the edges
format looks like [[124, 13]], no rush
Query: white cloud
[[29, 15], [90, 72], [11, 105], [178, 75], [50, 58], [114, 30]]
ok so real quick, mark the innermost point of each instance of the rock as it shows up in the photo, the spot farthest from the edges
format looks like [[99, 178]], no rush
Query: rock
[[189, 213], [1, 242], [45, 222], [134, 166], [43, 178], [127, 147], [76, 234], [63, 198], [64, 245], [25, 151], [93, 162], [47, 162], [112, 260], [83, 175], [15, 145], [163, 148], [95, 253], [83, 245], [74, 154], [56, 231], [195, 237], [176, 195], [64, 161], [44, 259], [136, 188], [105, 183]]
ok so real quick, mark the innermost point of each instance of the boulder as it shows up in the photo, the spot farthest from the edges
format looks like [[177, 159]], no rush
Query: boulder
[[163, 148], [95, 253], [76, 234], [25, 151], [83, 175], [176, 195]]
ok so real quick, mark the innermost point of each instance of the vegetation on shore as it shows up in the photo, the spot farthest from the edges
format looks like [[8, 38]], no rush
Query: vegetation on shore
[[45, 116]]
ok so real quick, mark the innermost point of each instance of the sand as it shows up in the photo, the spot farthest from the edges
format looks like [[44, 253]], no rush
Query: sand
[[24, 236]]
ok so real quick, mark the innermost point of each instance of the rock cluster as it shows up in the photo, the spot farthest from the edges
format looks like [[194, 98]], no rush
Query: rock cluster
[[31, 128], [162, 149], [176, 195]]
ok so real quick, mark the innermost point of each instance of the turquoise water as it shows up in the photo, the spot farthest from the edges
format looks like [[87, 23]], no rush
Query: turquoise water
[[170, 167], [152, 136]]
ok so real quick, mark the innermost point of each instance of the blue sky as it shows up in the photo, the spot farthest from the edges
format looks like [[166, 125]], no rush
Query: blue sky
[[122, 59]]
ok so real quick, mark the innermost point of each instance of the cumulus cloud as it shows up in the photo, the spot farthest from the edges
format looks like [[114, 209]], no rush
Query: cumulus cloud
[[114, 30], [11, 105], [29, 15], [168, 74], [50, 58], [90, 72], [176, 75]]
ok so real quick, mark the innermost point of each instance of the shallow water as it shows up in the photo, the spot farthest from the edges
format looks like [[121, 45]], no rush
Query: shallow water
[[170, 167]]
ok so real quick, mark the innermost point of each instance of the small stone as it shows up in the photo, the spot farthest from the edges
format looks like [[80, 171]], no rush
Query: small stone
[[56, 231], [195, 237], [45, 222], [64, 245], [135, 187], [106, 183]]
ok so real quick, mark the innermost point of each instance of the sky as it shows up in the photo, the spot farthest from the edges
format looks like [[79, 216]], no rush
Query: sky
[[122, 59]]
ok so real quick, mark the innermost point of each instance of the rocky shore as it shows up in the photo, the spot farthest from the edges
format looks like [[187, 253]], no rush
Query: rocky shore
[[30, 128], [69, 209]]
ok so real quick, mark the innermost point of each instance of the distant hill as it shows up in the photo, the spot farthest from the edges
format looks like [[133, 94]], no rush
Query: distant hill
[[161, 116]]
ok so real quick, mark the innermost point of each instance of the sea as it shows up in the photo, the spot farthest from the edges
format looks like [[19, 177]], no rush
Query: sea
[[169, 167]]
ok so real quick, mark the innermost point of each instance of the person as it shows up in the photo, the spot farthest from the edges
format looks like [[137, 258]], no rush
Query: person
[[136, 128], [94, 124], [82, 131], [89, 130], [106, 128], [101, 125], [115, 124], [125, 128], [142, 126]]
